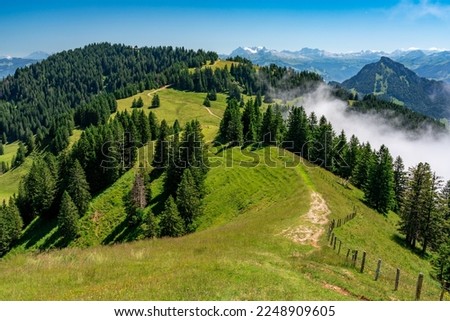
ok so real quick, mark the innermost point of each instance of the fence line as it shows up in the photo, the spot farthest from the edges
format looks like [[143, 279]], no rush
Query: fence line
[[383, 270]]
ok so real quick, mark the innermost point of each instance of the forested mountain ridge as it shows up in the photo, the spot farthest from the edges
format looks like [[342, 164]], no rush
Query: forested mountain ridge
[[433, 64], [392, 81], [42, 98]]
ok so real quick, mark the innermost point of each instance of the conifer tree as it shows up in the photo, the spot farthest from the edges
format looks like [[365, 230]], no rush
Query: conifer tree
[[78, 188], [176, 127], [379, 190], [154, 126], [206, 102], [150, 226], [351, 157], [298, 134], [20, 155], [400, 181], [171, 224], [249, 122], [340, 151], [161, 158], [231, 125], [419, 215], [189, 200], [267, 134], [2, 149], [364, 161], [10, 225], [68, 217], [4, 139], [144, 128], [155, 101], [212, 95], [139, 102], [39, 188]]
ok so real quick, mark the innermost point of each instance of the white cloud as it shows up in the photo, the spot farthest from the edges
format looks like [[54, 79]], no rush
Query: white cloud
[[414, 10], [374, 129]]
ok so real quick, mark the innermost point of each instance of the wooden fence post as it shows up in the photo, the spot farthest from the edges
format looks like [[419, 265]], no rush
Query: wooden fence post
[[334, 243], [397, 279], [332, 239], [363, 262], [348, 254], [377, 272], [355, 258], [339, 248], [419, 286]]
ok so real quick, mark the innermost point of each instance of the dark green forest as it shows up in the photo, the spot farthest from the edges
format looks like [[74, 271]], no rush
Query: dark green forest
[[40, 105]]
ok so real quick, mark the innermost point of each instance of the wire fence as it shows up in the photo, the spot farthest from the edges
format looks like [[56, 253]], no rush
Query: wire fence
[[381, 271]]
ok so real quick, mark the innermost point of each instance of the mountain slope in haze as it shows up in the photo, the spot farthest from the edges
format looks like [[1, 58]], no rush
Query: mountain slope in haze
[[9, 65], [431, 64], [392, 81]]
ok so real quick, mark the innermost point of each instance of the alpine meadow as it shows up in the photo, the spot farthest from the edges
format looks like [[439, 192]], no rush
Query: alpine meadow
[[162, 173]]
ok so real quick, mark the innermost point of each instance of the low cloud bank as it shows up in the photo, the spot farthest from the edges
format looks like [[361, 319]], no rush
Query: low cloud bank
[[374, 129]]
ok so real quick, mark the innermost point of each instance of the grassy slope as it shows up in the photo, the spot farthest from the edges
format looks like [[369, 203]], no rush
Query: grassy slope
[[181, 105], [238, 252], [9, 182]]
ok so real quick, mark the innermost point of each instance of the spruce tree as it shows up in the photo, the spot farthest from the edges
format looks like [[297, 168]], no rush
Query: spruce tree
[[20, 155], [251, 122], [171, 223], [417, 211], [400, 180], [379, 190], [68, 217], [297, 136], [154, 126], [267, 134], [139, 102], [4, 139], [176, 127], [340, 151], [364, 161], [231, 124], [206, 102], [2, 149], [155, 101], [150, 226], [39, 188], [144, 128], [161, 156], [189, 200], [10, 226], [351, 157], [78, 188]]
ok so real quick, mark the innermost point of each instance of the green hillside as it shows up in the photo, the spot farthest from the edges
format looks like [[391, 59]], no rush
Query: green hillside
[[244, 251], [262, 236], [9, 181]]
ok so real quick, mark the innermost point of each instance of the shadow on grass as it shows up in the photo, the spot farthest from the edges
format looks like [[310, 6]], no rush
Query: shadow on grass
[[37, 230], [400, 240]]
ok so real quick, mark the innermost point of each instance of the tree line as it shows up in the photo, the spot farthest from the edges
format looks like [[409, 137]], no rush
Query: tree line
[[37, 98], [418, 195]]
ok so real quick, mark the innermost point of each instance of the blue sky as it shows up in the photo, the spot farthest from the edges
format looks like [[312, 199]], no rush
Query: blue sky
[[337, 26]]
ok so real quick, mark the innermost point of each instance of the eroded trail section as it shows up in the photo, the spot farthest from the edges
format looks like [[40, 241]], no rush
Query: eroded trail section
[[313, 226]]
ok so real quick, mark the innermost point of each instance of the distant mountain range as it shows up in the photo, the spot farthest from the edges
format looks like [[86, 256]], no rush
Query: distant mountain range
[[8, 65], [432, 64], [392, 81]]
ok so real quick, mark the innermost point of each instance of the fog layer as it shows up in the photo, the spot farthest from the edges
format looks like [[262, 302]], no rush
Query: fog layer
[[373, 128]]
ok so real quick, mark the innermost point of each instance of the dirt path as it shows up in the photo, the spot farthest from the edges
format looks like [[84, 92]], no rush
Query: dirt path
[[159, 89], [211, 113], [314, 223]]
